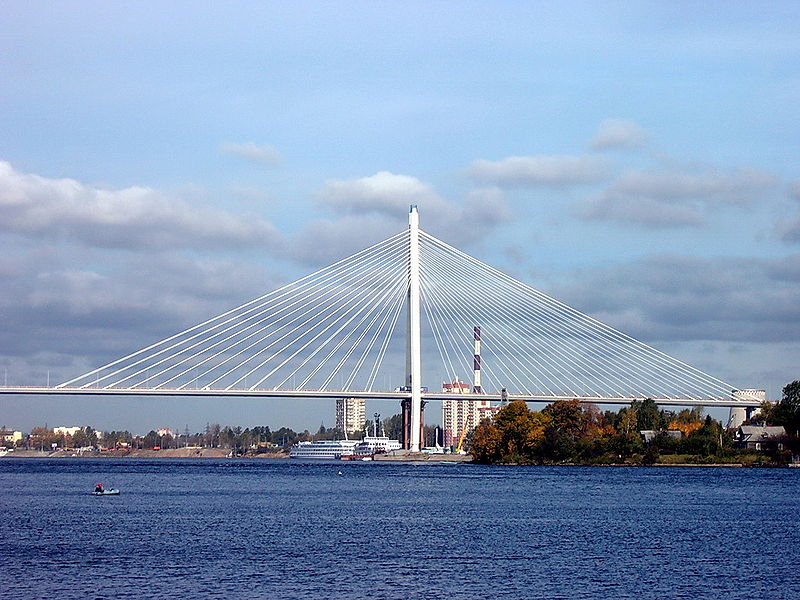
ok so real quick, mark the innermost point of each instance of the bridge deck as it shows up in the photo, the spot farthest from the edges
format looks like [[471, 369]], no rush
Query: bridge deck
[[369, 395]]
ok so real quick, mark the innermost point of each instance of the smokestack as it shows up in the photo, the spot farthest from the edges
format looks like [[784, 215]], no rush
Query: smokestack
[[476, 364]]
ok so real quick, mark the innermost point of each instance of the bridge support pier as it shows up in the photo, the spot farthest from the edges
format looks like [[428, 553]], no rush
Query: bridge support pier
[[413, 345], [405, 411]]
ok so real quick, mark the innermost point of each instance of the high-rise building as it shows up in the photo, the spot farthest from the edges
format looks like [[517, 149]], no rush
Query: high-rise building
[[351, 414], [459, 415]]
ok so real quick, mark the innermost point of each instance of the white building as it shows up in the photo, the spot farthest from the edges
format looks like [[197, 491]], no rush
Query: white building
[[66, 430], [351, 414], [460, 415], [9, 437]]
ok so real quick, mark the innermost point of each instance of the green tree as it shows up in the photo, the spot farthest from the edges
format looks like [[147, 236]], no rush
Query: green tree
[[625, 445], [150, 440], [393, 426], [648, 416], [566, 427], [787, 411], [708, 440], [84, 437]]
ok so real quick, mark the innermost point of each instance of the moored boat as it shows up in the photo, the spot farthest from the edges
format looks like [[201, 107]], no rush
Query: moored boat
[[373, 444], [323, 449]]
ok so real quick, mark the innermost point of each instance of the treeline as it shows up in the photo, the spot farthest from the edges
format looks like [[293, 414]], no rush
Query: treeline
[[216, 436], [570, 432], [235, 438]]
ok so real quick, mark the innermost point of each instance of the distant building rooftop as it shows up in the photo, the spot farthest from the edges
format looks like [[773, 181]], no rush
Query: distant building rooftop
[[752, 436]]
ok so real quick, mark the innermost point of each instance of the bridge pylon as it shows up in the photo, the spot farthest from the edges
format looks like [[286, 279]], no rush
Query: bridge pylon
[[412, 437]]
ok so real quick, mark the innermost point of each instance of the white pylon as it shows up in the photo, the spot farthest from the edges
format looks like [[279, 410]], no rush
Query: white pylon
[[413, 347]]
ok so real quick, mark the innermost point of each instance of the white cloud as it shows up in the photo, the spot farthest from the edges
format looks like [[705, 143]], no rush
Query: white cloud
[[675, 199], [618, 134], [135, 217], [263, 154], [372, 208], [383, 193], [539, 170]]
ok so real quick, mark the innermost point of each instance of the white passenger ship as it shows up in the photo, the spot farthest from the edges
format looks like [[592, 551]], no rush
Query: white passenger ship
[[376, 445], [331, 449]]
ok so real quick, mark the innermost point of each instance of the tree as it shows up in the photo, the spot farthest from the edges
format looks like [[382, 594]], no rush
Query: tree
[[84, 437], [687, 421], [566, 427], [42, 438], [787, 411], [393, 426], [628, 420], [626, 444], [708, 440], [515, 436], [648, 416], [151, 440], [486, 443]]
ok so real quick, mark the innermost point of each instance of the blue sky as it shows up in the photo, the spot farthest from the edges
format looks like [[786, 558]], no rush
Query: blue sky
[[162, 162]]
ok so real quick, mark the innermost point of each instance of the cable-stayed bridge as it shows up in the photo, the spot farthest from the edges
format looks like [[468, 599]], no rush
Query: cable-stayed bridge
[[344, 331]]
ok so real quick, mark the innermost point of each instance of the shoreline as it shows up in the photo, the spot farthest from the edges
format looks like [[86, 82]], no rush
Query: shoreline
[[218, 453], [168, 453]]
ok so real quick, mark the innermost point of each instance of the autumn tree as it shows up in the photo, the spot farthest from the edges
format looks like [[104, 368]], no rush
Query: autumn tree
[[515, 436], [486, 442], [687, 421]]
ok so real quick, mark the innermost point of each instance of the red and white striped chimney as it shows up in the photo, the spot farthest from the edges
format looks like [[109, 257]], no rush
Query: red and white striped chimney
[[476, 364]]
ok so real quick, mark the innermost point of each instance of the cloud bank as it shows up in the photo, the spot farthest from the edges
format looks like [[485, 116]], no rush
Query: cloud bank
[[522, 171], [676, 199], [133, 218], [368, 209]]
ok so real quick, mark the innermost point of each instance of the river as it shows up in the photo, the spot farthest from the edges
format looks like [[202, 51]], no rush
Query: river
[[281, 529]]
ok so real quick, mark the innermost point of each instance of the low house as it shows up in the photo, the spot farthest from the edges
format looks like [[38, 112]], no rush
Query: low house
[[759, 437]]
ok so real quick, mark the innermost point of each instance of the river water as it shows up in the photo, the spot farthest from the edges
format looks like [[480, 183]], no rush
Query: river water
[[282, 529]]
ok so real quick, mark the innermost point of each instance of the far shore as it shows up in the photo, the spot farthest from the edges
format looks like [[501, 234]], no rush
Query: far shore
[[135, 453], [218, 453]]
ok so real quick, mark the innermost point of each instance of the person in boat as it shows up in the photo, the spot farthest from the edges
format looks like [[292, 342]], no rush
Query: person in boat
[[98, 488]]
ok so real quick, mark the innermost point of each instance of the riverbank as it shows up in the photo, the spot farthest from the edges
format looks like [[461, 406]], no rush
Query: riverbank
[[135, 453], [408, 456], [402, 456]]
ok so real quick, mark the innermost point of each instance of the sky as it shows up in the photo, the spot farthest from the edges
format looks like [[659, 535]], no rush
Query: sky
[[161, 163]]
